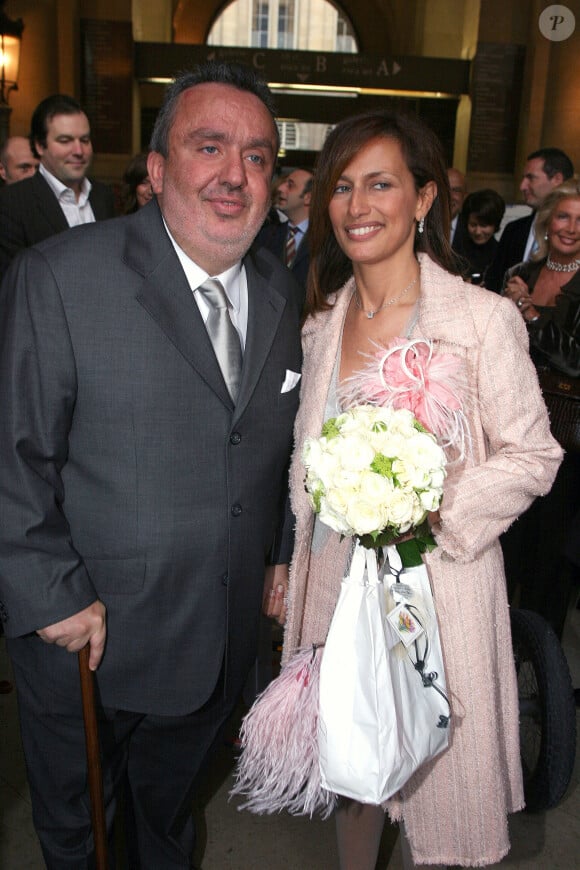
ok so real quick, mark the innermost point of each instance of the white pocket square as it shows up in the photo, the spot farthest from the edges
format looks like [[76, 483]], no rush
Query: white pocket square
[[290, 381]]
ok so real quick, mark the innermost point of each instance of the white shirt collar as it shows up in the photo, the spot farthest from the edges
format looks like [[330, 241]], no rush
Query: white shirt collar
[[61, 190], [230, 279]]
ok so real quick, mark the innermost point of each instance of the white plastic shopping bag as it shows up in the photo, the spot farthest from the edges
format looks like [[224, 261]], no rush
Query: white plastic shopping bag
[[383, 706]]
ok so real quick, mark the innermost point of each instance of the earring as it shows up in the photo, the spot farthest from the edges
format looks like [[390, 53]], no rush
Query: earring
[[421, 225], [545, 237]]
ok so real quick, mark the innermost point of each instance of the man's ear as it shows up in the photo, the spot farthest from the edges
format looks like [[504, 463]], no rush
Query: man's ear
[[156, 170]]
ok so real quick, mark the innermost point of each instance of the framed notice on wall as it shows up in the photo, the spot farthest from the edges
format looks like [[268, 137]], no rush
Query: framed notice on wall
[[107, 83], [496, 92]]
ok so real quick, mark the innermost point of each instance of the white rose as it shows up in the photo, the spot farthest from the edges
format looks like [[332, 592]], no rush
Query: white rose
[[410, 475], [427, 452], [357, 453], [345, 478], [366, 516], [402, 422], [374, 487], [339, 497], [438, 478], [335, 521], [400, 510], [326, 468], [419, 514], [311, 451], [430, 499], [351, 422]]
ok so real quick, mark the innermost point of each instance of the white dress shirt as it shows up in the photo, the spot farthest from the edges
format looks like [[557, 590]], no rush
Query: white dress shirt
[[299, 236], [75, 211], [233, 280], [531, 244]]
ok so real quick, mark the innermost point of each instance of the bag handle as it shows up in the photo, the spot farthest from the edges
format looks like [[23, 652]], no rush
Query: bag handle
[[362, 558]]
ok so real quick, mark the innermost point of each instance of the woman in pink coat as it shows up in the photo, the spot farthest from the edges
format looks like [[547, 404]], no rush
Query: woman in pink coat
[[382, 268]]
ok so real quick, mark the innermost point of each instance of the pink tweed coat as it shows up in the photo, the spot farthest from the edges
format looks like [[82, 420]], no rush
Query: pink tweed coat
[[455, 808]]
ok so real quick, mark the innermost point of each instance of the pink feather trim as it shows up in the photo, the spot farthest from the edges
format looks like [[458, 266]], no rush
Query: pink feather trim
[[278, 766], [410, 374]]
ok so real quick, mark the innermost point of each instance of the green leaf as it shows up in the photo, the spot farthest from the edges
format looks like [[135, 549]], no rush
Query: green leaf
[[382, 465], [330, 429], [410, 553], [316, 498]]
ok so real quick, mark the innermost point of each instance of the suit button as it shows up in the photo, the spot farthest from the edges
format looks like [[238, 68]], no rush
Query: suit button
[[225, 580], [236, 510], [235, 438]]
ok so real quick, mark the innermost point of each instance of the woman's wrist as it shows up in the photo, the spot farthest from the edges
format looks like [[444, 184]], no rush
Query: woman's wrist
[[531, 315]]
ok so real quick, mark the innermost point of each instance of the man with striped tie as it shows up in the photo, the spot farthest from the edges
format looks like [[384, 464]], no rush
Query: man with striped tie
[[289, 240]]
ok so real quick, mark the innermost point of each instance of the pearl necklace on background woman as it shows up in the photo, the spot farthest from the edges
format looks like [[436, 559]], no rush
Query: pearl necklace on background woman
[[554, 266]]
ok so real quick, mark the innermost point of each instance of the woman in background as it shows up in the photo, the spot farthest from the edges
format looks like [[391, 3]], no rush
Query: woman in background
[[546, 292], [481, 216], [382, 268], [136, 190]]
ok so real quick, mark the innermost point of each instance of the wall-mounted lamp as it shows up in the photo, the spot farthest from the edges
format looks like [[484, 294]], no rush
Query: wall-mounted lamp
[[10, 38]]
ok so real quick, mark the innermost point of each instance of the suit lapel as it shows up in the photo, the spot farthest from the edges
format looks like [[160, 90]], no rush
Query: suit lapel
[[166, 296], [47, 204], [265, 309]]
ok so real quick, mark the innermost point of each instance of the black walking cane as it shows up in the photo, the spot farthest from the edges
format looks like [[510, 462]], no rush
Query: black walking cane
[[95, 775]]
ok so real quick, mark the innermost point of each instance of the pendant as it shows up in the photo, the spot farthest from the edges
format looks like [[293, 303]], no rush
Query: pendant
[[370, 314]]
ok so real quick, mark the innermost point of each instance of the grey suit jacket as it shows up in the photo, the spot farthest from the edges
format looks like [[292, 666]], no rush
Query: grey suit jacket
[[127, 474], [30, 213]]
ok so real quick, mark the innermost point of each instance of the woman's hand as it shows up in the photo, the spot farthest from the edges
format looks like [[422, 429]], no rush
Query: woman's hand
[[434, 520], [517, 290], [275, 592]]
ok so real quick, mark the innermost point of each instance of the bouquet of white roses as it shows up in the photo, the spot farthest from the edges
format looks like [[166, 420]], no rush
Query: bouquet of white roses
[[375, 473]]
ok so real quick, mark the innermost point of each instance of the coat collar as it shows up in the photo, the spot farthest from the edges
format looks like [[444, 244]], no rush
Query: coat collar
[[445, 308], [445, 312], [166, 296]]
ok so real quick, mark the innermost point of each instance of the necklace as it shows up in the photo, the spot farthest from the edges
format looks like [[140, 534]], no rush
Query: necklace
[[370, 312], [554, 266]]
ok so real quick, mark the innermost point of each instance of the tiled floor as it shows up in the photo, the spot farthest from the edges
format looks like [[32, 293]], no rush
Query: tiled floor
[[238, 841]]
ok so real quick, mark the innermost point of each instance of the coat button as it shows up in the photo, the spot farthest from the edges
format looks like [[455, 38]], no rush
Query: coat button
[[236, 510], [225, 580], [235, 438]]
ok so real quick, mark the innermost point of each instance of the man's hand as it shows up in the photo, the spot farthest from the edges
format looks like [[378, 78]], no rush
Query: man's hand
[[87, 626], [275, 591]]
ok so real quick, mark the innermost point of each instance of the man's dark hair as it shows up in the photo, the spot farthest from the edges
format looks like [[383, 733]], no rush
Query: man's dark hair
[[237, 75], [555, 160], [57, 104]]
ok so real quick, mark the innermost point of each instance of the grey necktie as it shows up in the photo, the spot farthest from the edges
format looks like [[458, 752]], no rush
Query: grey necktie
[[223, 334]]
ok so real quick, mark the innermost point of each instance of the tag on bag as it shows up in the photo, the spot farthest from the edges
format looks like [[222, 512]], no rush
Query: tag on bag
[[405, 624]]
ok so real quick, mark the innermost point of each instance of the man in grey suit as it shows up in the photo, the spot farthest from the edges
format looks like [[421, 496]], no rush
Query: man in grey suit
[[143, 482], [59, 195]]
